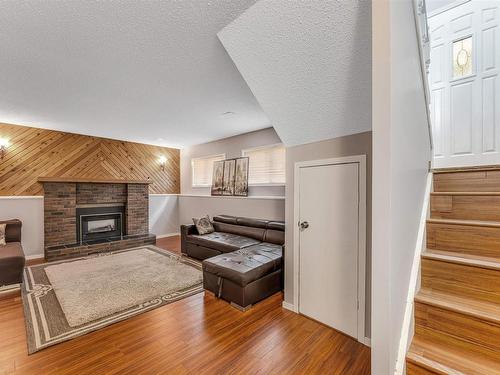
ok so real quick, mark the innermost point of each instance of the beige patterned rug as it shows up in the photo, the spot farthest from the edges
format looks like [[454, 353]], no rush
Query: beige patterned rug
[[66, 299]]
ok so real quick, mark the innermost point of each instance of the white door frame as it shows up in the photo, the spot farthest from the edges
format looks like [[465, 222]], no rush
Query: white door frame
[[465, 109], [361, 160]]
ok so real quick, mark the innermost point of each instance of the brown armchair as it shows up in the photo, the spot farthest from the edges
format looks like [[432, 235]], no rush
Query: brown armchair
[[12, 258]]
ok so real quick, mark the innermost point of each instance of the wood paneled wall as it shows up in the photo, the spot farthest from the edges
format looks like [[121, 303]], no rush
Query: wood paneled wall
[[34, 153]]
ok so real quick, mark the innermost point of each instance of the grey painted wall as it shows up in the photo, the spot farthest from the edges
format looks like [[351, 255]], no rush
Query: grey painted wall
[[232, 147], [189, 207], [357, 144], [196, 206], [163, 214]]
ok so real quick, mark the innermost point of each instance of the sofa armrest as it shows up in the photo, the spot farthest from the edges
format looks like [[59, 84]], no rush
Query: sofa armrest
[[12, 230], [186, 230]]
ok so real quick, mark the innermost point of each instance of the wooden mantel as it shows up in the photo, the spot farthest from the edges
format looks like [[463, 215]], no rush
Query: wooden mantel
[[91, 180]]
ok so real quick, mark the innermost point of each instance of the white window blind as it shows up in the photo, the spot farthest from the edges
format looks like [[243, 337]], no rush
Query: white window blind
[[266, 165], [202, 169]]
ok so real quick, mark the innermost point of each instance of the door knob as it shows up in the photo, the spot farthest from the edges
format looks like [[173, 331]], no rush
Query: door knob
[[304, 225]]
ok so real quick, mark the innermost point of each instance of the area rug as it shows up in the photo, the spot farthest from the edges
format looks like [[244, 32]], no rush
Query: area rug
[[66, 299]]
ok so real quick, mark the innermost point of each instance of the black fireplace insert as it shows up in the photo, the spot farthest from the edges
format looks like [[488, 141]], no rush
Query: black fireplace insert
[[99, 223]]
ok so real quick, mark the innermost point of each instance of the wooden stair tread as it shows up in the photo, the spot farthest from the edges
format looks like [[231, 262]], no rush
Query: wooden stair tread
[[464, 259], [480, 193], [449, 360], [457, 311], [477, 223], [463, 305]]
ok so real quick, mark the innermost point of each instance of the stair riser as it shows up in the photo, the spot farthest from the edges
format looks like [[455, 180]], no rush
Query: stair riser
[[444, 341], [447, 338], [461, 280], [466, 207], [466, 239], [478, 333], [413, 369], [467, 181]]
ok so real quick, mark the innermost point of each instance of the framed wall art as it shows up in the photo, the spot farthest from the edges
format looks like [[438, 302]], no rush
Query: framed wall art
[[218, 178], [228, 180], [230, 177], [241, 177]]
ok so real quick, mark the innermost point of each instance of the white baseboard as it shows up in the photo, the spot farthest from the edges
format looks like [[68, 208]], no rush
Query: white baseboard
[[9, 288], [35, 256], [289, 306], [367, 341], [168, 235]]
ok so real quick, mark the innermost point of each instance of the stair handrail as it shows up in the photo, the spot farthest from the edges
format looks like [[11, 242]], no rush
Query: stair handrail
[[424, 47]]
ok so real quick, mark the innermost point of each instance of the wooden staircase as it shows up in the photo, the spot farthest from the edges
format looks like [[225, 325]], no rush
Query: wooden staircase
[[457, 310]]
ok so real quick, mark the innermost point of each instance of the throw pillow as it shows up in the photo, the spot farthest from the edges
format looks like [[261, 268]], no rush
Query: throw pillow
[[203, 225], [2, 234]]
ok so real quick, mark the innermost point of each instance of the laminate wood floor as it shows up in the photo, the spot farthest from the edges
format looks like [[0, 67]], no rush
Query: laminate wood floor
[[197, 335]]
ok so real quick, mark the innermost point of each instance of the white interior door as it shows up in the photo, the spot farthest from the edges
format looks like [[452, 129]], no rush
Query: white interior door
[[464, 84], [328, 247]]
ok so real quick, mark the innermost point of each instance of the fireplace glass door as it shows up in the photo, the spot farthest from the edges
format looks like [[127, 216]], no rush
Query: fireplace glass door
[[99, 224]]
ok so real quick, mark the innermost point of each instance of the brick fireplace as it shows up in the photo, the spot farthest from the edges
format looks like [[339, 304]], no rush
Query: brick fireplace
[[71, 207]]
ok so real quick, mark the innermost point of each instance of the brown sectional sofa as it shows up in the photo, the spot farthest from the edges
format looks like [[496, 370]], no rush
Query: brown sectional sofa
[[242, 259], [12, 258]]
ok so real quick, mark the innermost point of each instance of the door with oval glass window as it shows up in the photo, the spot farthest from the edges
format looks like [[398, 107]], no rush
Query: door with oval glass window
[[464, 83]]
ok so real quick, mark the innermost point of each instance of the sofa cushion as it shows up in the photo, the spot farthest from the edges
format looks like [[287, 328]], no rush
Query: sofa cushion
[[240, 230], [246, 265], [275, 236], [13, 230], [225, 219], [276, 225], [266, 250], [11, 250], [2, 234], [203, 225], [249, 222], [224, 242]]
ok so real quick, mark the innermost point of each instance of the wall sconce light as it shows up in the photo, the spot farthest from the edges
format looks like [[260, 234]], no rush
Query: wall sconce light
[[4, 143], [162, 160]]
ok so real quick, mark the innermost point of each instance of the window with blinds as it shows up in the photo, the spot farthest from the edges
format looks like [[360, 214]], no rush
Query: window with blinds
[[202, 169], [266, 165]]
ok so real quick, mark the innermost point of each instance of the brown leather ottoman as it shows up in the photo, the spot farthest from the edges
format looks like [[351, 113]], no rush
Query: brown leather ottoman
[[245, 276]]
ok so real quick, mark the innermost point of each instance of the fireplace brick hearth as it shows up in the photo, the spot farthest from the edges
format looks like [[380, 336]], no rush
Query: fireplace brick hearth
[[61, 200]]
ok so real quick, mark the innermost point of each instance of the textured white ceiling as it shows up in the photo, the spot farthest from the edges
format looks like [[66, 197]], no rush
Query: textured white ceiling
[[308, 63], [147, 71]]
